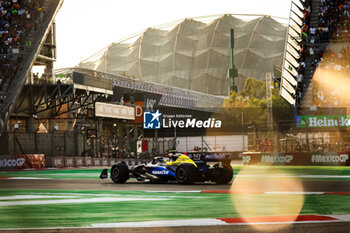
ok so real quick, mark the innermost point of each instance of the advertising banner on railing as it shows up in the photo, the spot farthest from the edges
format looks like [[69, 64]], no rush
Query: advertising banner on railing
[[329, 121], [57, 161], [298, 158], [22, 161]]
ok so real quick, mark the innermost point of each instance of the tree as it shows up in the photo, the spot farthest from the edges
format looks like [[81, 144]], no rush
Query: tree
[[252, 102]]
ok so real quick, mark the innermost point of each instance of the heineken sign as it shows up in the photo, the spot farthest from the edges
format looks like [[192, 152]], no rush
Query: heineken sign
[[323, 121]]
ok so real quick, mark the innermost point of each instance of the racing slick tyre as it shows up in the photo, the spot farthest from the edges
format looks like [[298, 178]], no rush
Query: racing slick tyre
[[222, 175], [186, 173], [120, 173]]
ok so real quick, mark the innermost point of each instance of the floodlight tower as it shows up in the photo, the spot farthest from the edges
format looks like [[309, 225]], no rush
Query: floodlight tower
[[233, 72]]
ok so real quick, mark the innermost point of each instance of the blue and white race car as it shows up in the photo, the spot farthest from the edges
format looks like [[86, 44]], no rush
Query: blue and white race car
[[181, 168]]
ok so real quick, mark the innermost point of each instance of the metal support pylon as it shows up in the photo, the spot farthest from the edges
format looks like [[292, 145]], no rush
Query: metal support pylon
[[269, 101]]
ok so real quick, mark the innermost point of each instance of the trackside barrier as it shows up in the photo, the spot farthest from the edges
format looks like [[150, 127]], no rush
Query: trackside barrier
[[38, 161], [96, 162], [78, 161], [87, 161], [69, 161], [105, 162], [22, 161], [133, 162], [56, 161], [298, 158], [112, 161], [60, 161]]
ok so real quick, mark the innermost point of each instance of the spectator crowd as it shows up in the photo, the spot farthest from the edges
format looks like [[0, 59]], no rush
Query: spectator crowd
[[318, 60], [17, 19], [335, 65], [334, 20]]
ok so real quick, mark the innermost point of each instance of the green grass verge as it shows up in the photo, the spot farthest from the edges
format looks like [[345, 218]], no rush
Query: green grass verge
[[175, 206]]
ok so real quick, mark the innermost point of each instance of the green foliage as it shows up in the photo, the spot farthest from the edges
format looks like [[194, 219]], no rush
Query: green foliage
[[252, 102], [254, 88]]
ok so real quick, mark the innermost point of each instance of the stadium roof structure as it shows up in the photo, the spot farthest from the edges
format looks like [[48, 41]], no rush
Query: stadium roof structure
[[195, 53]]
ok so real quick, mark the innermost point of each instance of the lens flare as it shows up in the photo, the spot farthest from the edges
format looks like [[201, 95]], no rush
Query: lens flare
[[267, 191], [331, 88]]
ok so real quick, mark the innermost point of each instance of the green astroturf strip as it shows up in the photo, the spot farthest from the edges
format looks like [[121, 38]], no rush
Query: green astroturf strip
[[296, 170], [56, 174], [175, 206]]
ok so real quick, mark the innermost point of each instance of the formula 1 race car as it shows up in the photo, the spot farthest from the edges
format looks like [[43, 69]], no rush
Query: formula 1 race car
[[181, 168]]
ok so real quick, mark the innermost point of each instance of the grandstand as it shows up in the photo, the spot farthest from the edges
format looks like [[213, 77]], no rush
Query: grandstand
[[315, 71], [25, 26], [316, 60]]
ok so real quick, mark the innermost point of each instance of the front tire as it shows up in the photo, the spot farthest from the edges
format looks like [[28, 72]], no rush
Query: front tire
[[120, 173], [186, 173]]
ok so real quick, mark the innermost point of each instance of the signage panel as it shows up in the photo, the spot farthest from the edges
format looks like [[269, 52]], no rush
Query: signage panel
[[330, 121], [114, 111]]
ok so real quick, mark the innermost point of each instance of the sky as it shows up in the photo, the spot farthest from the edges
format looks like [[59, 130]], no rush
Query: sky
[[84, 27]]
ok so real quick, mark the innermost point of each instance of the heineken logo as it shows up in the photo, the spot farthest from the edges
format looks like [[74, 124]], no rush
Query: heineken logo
[[323, 121]]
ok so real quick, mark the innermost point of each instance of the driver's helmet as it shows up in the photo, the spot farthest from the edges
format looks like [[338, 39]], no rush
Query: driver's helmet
[[175, 156], [165, 160]]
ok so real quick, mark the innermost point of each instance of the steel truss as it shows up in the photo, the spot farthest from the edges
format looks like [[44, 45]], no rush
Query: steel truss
[[171, 96], [39, 98]]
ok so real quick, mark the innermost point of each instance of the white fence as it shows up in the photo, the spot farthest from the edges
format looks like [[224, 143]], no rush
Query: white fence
[[212, 143]]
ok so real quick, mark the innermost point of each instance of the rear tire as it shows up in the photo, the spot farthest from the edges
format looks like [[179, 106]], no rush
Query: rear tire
[[222, 175], [120, 173], [186, 173]]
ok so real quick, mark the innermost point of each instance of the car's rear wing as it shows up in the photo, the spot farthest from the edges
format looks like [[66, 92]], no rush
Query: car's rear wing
[[223, 157]]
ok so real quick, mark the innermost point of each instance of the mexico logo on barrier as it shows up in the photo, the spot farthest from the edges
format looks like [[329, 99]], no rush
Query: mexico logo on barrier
[[276, 158], [151, 120], [11, 162], [342, 158]]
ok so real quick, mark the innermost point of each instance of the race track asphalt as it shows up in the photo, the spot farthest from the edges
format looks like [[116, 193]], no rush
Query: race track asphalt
[[132, 185], [107, 184], [271, 228]]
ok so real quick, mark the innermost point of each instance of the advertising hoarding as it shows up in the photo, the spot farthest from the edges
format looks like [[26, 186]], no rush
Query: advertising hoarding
[[297, 158], [114, 111], [329, 121]]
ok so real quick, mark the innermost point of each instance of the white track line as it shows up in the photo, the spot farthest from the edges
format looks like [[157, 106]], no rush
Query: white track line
[[74, 201], [193, 222], [151, 191], [18, 197], [168, 223], [344, 217], [28, 178], [291, 193]]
